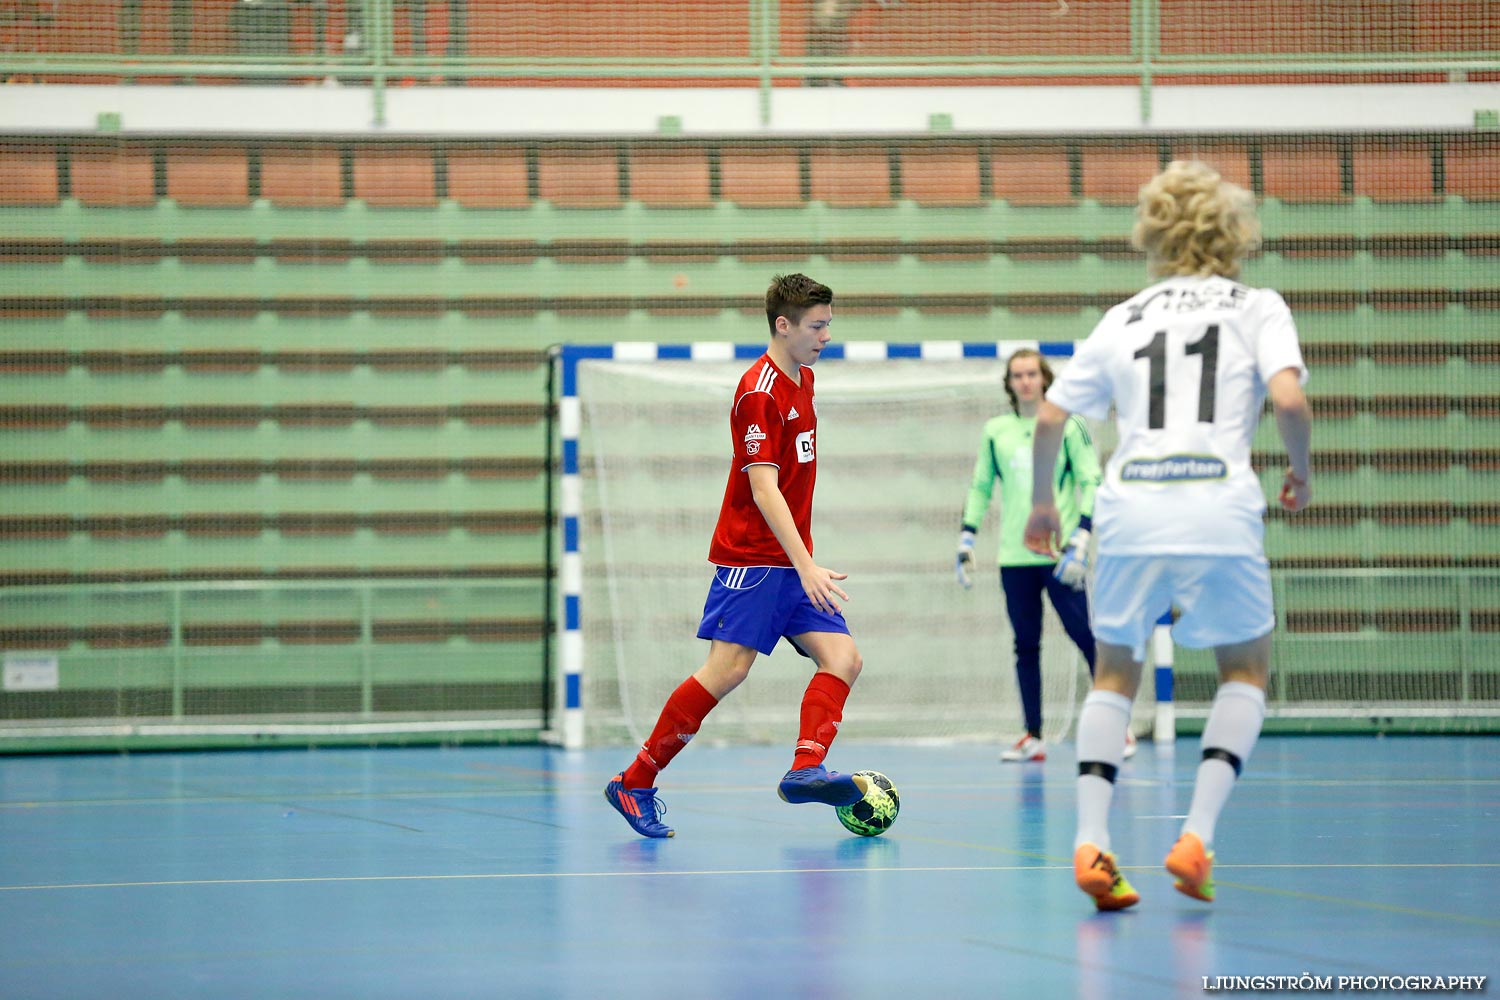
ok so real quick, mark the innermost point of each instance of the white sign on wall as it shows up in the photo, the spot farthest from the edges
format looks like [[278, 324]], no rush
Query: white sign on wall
[[30, 672]]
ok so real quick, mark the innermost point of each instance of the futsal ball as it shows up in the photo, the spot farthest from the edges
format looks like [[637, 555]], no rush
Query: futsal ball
[[873, 814]]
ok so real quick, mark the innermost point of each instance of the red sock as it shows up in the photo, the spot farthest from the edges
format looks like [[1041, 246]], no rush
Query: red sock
[[680, 718], [822, 710]]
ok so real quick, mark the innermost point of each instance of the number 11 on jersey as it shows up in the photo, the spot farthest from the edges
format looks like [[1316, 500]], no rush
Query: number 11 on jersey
[[1155, 354]]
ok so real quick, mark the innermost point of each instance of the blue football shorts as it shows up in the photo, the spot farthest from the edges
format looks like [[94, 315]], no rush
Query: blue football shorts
[[756, 606], [1222, 600]]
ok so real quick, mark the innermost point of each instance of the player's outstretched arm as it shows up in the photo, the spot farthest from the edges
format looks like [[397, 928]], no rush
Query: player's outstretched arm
[[817, 581], [1042, 526], [1294, 422]]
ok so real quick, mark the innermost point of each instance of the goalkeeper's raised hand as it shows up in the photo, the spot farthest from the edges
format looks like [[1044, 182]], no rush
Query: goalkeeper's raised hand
[[1074, 564], [965, 558]]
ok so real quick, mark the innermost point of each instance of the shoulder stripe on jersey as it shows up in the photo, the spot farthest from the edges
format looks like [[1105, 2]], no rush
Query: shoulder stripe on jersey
[[1083, 428], [763, 383]]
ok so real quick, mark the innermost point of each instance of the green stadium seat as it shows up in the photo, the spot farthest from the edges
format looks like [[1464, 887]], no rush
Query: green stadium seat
[[135, 635], [247, 525]]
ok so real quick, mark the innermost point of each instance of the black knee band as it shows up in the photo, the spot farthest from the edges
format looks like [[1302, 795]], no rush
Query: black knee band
[[1099, 769], [1214, 753]]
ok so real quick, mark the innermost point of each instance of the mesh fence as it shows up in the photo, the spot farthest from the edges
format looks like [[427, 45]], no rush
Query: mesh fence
[[274, 396]]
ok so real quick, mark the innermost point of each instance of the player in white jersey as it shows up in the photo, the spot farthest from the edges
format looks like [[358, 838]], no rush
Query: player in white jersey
[[1187, 365]]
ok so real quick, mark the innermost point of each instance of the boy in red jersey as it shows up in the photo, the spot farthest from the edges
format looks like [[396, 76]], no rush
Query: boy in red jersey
[[766, 585]]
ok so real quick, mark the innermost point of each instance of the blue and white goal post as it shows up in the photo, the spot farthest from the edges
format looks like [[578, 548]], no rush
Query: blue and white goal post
[[1164, 727], [613, 400]]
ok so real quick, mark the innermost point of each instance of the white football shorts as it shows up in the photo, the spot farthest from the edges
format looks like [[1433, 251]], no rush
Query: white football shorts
[[1220, 599]]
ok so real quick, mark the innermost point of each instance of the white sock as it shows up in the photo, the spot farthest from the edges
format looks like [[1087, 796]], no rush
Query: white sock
[[1101, 740], [1233, 726]]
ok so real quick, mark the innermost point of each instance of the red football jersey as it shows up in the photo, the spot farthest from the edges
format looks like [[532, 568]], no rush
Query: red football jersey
[[773, 422]]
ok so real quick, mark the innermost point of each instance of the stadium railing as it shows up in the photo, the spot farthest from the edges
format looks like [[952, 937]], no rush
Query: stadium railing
[[266, 661], [751, 43]]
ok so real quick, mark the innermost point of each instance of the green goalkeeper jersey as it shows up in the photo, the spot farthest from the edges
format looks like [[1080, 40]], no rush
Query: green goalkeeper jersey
[[1005, 455]]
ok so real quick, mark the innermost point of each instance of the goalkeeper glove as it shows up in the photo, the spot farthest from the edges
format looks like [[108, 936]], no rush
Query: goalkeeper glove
[[1074, 564], [965, 558]]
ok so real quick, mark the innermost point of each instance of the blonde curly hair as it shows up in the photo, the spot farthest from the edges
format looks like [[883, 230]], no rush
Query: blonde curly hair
[[1190, 221]]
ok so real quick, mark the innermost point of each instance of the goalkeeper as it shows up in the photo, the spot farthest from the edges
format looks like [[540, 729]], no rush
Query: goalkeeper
[[1005, 456]]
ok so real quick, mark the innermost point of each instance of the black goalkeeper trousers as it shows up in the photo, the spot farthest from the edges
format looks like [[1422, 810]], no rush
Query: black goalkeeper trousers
[[1023, 587]]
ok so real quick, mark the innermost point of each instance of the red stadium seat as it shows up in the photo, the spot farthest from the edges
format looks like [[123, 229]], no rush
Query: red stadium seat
[[1113, 174], [760, 176], [1302, 172], [851, 176], [1031, 175], [395, 176], [1230, 159], [113, 176], [579, 176], [302, 176], [213, 176], [671, 177], [1471, 168], [1393, 171], [942, 175], [30, 174], [488, 177]]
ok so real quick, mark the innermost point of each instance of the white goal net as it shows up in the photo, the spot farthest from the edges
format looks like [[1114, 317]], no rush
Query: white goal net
[[897, 441]]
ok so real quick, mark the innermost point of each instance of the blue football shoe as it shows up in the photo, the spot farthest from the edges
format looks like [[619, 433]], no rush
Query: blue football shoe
[[639, 807], [818, 784]]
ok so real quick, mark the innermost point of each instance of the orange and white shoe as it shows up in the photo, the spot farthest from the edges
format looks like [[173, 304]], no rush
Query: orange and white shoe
[[1098, 876], [1028, 747], [1130, 744], [1193, 866]]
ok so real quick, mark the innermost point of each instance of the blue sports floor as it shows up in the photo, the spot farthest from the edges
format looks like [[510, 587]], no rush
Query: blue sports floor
[[501, 872]]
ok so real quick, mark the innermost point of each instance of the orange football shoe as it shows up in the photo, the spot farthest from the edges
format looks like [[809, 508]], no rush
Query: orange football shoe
[[1098, 876], [1193, 867]]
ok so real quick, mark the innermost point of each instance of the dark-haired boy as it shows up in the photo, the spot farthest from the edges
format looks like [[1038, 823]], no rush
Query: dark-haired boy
[[766, 586]]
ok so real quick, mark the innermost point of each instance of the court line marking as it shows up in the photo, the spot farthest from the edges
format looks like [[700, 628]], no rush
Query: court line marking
[[935, 790], [1055, 863], [1364, 904], [929, 869], [496, 876]]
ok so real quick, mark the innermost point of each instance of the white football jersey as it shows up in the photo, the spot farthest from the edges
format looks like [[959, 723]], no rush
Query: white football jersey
[[1185, 363]]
